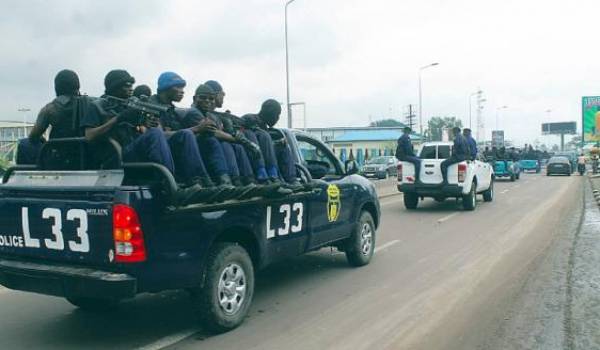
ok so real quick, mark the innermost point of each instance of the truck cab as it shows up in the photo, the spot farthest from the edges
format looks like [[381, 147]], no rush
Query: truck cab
[[96, 233], [465, 179]]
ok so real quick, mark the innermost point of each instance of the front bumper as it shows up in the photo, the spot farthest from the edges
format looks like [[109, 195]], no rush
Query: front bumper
[[63, 281], [377, 174], [432, 190]]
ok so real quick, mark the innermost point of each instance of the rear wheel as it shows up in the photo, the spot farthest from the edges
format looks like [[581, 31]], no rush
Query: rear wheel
[[360, 246], [224, 298], [488, 195], [518, 175], [93, 304], [411, 200], [470, 200], [513, 177]]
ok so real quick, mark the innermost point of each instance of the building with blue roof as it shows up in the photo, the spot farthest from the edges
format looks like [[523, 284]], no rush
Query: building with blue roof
[[361, 143]]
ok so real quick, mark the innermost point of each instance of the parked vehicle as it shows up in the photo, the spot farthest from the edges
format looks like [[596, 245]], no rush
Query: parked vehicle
[[96, 237], [380, 167], [507, 169], [558, 165], [466, 179]]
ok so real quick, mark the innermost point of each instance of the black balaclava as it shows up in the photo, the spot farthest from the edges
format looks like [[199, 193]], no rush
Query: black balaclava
[[269, 112], [142, 90], [66, 82], [115, 79]]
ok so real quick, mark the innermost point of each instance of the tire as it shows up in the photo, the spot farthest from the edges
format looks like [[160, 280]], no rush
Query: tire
[[218, 311], [94, 304], [518, 175], [469, 201], [360, 247], [513, 177], [411, 200], [488, 195]]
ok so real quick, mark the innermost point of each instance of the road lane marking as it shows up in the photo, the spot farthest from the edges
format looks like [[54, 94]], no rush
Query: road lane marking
[[446, 218], [386, 245], [506, 190], [169, 340], [4, 290]]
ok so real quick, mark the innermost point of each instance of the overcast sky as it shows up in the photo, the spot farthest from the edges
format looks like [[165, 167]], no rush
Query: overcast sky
[[350, 60]]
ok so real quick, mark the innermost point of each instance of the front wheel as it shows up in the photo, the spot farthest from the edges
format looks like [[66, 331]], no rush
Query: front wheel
[[411, 200], [470, 200], [223, 300], [360, 246]]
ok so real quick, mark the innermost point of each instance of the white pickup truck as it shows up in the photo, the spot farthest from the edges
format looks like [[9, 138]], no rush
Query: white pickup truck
[[465, 179]]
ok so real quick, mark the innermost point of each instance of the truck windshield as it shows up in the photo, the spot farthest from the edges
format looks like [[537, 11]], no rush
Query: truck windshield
[[378, 160]]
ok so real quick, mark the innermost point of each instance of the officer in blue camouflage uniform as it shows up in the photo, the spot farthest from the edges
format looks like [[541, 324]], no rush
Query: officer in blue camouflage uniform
[[405, 152], [460, 153]]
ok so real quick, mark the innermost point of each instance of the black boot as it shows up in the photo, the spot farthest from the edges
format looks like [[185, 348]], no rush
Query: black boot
[[274, 189], [193, 194], [295, 186]]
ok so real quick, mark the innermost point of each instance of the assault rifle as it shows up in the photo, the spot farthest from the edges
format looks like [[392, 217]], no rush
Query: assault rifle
[[141, 104]]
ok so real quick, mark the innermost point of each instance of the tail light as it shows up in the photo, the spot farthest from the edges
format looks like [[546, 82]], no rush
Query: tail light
[[462, 172], [128, 235], [399, 167]]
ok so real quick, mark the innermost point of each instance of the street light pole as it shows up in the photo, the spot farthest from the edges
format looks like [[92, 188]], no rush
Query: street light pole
[[421, 96], [287, 66]]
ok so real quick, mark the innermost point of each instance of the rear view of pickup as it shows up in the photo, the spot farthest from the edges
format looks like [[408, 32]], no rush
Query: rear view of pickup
[[97, 236], [465, 179]]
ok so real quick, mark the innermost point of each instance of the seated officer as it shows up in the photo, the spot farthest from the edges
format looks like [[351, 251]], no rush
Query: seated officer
[[278, 160], [146, 142], [405, 152], [230, 130], [58, 114], [460, 153], [170, 89]]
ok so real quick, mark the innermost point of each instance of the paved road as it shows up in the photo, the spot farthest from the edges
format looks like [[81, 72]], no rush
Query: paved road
[[441, 279]]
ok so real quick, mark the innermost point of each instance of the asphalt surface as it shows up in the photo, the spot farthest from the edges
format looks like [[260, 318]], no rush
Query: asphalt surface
[[442, 278]]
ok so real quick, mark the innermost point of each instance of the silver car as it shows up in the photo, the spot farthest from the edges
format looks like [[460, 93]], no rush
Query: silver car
[[380, 167]]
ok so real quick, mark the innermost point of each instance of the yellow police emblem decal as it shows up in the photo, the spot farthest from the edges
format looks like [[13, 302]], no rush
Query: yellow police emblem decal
[[334, 205]]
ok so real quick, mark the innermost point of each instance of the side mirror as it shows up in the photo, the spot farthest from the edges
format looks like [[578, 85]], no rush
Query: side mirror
[[351, 167]]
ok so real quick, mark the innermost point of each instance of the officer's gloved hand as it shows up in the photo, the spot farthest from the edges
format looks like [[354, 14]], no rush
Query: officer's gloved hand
[[129, 116]]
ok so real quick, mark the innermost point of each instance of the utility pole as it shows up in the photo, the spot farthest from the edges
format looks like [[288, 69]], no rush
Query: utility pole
[[410, 117], [287, 67]]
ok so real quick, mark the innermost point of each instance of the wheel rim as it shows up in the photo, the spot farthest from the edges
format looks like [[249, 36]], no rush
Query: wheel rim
[[474, 196], [232, 288], [366, 239]]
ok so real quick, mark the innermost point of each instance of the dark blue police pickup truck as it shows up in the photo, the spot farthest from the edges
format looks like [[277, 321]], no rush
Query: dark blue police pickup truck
[[98, 233]]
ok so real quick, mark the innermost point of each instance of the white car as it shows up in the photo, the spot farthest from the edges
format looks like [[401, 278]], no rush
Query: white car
[[465, 179]]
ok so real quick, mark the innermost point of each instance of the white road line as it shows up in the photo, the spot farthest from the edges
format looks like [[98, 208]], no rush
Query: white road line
[[446, 218], [169, 340], [386, 245], [503, 192]]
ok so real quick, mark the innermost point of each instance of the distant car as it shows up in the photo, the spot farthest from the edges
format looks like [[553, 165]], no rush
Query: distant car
[[380, 167], [558, 165]]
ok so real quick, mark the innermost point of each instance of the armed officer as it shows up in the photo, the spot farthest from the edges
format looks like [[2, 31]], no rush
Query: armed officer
[[460, 151], [405, 152], [58, 114], [145, 141]]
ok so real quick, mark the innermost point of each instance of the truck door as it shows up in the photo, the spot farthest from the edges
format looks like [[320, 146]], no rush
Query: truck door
[[331, 212]]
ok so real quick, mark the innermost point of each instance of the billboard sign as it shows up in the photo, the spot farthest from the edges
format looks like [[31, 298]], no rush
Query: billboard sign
[[590, 108], [559, 128], [497, 138]]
